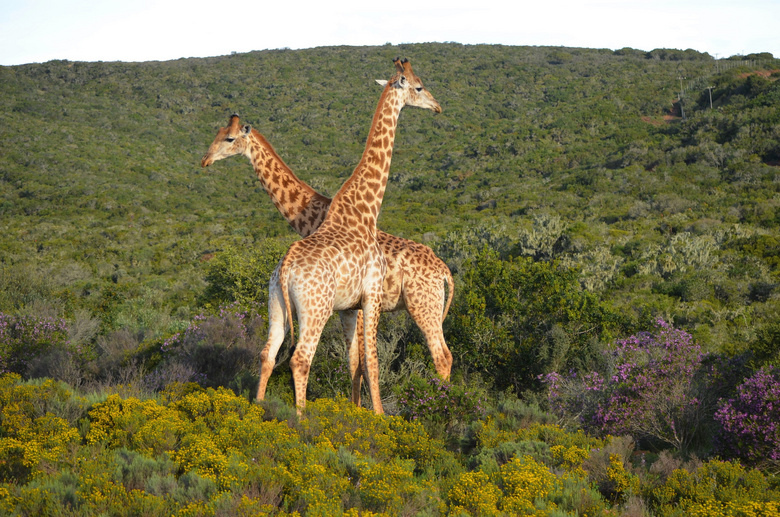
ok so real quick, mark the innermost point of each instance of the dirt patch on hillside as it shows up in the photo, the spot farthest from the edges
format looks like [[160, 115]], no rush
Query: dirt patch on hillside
[[655, 121], [762, 73]]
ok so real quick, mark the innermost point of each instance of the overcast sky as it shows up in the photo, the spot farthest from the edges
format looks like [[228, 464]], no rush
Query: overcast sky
[[144, 30]]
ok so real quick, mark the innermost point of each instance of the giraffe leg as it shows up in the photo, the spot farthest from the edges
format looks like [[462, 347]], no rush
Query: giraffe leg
[[277, 328], [352, 324], [426, 311], [371, 309], [310, 328]]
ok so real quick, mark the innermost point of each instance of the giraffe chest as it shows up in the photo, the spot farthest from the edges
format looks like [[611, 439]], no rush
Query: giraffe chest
[[355, 276], [338, 270]]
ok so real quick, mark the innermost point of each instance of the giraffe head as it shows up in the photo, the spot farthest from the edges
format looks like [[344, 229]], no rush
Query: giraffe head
[[410, 87], [229, 141]]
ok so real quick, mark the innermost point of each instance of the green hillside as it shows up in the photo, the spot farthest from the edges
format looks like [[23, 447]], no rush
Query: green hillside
[[610, 217], [104, 202]]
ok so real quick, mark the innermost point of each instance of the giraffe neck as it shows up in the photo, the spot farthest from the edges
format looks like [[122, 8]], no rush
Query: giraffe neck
[[302, 206], [360, 198]]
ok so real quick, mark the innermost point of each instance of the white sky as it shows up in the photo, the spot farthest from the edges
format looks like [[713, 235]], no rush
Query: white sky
[[146, 30]]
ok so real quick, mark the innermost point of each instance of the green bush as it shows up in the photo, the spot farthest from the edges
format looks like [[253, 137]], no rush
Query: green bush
[[241, 276], [444, 408], [516, 319]]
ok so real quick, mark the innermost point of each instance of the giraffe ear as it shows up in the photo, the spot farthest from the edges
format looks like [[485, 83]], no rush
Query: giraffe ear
[[246, 129], [381, 82]]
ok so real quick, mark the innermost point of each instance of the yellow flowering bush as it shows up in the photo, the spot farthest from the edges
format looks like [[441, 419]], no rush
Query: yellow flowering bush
[[342, 424], [315, 481], [98, 491], [228, 442], [44, 442], [211, 406], [247, 506], [385, 485], [203, 452], [474, 494], [145, 426], [524, 480], [199, 453], [717, 488], [623, 482], [489, 434], [32, 440], [570, 458]]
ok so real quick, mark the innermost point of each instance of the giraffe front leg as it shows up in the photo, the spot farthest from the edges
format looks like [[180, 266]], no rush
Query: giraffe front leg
[[311, 323], [352, 324], [371, 309]]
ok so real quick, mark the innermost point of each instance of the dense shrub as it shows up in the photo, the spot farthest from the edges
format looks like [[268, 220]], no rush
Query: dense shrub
[[716, 488], [196, 451], [750, 422], [220, 349], [443, 407], [25, 338], [515, 319], [655, 389], [238, 276], [340, 424], [33, 439]]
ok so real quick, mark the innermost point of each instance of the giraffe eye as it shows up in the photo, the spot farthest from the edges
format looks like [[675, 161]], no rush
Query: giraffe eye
[[229, 140], [419, 89]]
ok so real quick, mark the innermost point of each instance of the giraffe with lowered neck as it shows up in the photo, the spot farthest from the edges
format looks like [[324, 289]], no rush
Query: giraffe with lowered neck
[[415, 275], [341, 265]]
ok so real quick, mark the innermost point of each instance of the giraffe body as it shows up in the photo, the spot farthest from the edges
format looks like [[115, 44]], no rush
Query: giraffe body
[[415, 279], [341, 266]]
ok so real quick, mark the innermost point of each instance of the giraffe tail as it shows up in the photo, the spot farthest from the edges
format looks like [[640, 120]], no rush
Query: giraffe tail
[[451, 289], [284, 276]]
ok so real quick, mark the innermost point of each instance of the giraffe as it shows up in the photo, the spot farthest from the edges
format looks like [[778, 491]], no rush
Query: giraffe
[[341, 266], [415, 275]]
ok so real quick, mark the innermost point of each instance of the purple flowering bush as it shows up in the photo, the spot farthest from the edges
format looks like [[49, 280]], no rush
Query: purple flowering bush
[[750, 421], [652, 389], [24, 339]]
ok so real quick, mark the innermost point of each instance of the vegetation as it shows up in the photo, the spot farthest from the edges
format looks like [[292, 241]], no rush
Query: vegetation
[[196, 451], [611, 219]]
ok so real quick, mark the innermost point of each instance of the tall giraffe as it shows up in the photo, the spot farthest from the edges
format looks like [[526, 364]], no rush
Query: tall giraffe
[[415, 275], [341, 266]]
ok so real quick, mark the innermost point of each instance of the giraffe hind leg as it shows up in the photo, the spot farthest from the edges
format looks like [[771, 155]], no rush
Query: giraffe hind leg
[[427, 314], [277, 328]]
